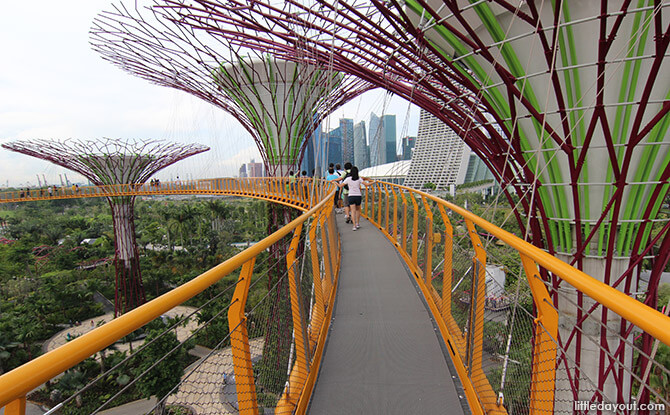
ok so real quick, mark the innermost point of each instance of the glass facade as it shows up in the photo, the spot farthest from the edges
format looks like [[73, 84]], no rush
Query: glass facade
[[361, 149]]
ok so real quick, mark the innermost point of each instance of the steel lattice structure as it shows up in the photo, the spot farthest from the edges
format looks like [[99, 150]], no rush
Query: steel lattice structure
[[278, 102], [566, 102], [111, 162]]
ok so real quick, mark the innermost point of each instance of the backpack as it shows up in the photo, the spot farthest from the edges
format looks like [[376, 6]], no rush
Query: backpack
[[347, 174]]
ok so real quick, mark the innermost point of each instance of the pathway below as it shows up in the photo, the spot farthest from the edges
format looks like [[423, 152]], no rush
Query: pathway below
[[383, 355]]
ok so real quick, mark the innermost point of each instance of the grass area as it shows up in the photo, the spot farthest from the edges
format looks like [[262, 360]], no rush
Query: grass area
[[6, 214]]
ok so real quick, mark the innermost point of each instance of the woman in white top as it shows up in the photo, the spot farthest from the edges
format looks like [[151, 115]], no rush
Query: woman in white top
[[355, 195]]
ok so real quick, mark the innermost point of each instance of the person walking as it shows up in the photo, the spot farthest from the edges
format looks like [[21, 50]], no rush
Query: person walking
[[345, 192], [355, 195], [332, 176]]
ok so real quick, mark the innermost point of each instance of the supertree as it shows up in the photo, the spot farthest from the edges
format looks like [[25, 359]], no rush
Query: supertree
[[566, 102], [278, 102], [109, 162]]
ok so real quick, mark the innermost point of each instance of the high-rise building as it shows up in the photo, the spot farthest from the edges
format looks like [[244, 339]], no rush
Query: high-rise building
[[477, 170], [382, 139], [389, 134], [361, 150], [377, 145], [347, 127], [440, 156], [307, 163], [407, 147], [243, 171], [254, 169], [320, 151], [334, 146]]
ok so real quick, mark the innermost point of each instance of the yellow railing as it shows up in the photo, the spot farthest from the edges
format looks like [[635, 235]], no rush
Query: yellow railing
[[420, 226], [317, 221], [299, 194], [406, 215]]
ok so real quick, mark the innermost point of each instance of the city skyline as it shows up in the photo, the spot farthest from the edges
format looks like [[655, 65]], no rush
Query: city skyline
[[351, 142]]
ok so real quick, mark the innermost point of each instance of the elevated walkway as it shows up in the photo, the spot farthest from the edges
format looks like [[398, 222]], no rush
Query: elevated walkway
[[383, 355]]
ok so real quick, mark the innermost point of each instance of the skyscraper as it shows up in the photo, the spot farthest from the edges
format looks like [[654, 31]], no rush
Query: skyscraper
[[377, 144], [334, 146], [440, 156], [308, 164], [255, 169], [407, 147], [361, 150], [382, 139], [477, 170], [347, 128], [389, 134]]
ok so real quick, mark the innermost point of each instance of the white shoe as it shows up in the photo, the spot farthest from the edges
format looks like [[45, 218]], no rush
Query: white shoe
[[354, 228]]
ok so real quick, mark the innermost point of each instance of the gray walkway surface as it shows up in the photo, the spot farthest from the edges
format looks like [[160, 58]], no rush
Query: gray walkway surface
[[383, 355]]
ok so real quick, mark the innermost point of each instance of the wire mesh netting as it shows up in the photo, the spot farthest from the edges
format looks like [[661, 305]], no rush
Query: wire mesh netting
[[599, 352], [508, 341], [149, 361], [187, 357]]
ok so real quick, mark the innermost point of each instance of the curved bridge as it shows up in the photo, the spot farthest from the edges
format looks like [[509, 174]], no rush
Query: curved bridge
[[500, 350]]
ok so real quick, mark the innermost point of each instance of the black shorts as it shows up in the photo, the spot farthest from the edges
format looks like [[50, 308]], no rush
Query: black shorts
[[337, 196], [355, 200]]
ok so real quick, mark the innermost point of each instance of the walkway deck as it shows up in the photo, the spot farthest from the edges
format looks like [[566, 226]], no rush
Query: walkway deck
[[383, 355]]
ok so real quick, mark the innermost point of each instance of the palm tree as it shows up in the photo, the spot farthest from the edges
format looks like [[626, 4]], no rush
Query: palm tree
[[218, 213], [182, 220], [27, 331]]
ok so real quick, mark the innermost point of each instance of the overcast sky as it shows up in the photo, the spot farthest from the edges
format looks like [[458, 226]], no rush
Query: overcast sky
[[53, 86]]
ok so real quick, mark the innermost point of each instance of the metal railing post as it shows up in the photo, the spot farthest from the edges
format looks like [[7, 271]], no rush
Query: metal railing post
[[317, 279], [379, 207], [543, 377], [371, 215], [447, 276], [415, 231], [478, 377], [334, 245], [297, 307], [239, 343], [403, 244], [472, 317], [16, 407], [395, 215], [479, 277], [428, 248], [388, 203], [300, 370], [364, 209], [325, 249]]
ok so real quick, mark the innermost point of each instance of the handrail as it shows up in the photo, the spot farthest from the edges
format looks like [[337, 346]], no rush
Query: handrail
[[466, 342], [15, 384], [18, 382], [277, 190], [648, 319]]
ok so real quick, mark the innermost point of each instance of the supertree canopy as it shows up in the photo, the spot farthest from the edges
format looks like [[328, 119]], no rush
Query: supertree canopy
[[279, 103], [566, 102], [111, 162]]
